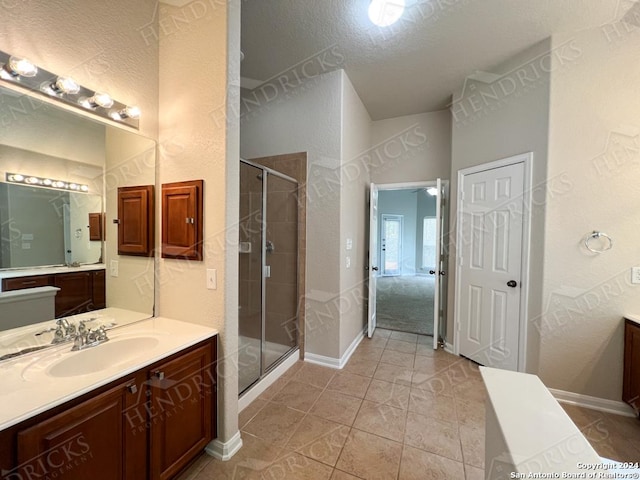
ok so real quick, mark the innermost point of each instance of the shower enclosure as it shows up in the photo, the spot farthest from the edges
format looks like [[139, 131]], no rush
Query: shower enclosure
[[268, 288]]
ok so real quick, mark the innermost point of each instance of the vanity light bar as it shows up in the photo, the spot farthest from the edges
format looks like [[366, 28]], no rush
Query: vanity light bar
[[45, 182], [20, 71]]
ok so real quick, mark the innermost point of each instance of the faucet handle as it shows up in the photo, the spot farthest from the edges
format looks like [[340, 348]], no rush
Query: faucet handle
[[82, 327], [101, 333]]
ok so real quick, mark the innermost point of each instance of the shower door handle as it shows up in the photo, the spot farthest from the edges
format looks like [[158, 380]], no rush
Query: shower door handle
[[267, 271]]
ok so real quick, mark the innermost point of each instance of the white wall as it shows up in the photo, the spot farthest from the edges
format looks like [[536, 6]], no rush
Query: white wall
[[494, 120], [310, 121], [355, 145], [593, 144], [412, 148]]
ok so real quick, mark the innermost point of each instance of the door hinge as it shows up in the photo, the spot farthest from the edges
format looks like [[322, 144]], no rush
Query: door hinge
[[461, 194]]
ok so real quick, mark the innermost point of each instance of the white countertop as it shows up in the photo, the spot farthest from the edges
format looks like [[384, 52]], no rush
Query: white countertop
[[538, 433], [27, 391]]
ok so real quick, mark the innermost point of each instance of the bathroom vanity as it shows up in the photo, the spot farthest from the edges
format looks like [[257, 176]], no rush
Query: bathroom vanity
[[142, 405]]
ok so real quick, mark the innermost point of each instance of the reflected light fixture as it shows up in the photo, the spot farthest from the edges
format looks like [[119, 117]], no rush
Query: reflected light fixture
[[99, 99], [433, 191], [63, 85], [126, 112], [386, 12], [44, 182], [18, 67]]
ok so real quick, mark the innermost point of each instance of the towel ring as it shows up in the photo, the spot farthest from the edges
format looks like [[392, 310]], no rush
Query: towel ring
[[595, 235]]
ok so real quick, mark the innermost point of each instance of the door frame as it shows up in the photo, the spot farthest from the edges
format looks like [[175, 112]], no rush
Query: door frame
[[527, 160], [383, 257], [444, 184]]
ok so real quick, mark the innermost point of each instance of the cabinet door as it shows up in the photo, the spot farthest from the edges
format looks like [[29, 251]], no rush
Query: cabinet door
[[182, 220], [92, 440], [95, 226], [75, 295], [182, 399], [631, 378], [99, 289], [135, 221]]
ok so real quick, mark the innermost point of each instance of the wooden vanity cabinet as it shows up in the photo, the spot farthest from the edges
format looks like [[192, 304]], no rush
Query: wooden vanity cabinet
[[91, 440], [181, 395], [148, 425], [79, 291], [631, 377]]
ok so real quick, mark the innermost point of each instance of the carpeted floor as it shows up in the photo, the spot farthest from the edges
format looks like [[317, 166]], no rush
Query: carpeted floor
[[405, 303]]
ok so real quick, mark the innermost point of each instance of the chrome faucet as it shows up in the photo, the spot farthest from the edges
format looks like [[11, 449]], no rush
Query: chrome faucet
[[65, 331], [86, 338]]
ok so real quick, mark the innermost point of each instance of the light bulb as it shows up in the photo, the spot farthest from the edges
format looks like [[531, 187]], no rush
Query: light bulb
[[47, 182], [386, 12], [67, 85], [84, 188], [22, 66], [17, 177], [102, 100], [132, 111], [32, 180]]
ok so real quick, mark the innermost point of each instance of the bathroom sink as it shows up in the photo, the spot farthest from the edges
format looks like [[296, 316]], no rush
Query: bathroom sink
[[115, 352]]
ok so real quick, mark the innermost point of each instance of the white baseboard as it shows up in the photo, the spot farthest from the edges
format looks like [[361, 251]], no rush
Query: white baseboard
[[224, 450], [594, 403], [269, 379], [331, 362], [449, 348]]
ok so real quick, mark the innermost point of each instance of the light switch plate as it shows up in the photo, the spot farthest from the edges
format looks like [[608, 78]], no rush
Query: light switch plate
[[635, 275], [349, 244], [212, 278], [348, 262], [113, 268]]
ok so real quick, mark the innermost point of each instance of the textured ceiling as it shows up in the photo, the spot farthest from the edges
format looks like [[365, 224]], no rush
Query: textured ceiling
[[414, 65]]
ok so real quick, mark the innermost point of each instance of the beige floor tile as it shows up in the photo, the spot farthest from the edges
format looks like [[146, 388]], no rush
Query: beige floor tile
[[340, 475], [368, 456], [274, 388], [582, 417], [608, 443], [195, 468], [425, 340], [473, 473], [435, 364], [432, 435], [400, 346], [472, 440], [337, 407], [628, 427], [319, 439], [397, 358], [432, 405], [438, 384], [392, 394], [315, 375], [382, 420], [294, 466], [362, 367], [275, 423], [350, 384], [471, 391], [425, 348], [371, 355], [250, 411], [470, 413], [375, 342], [298, 395], [405, 337], [393, 373], [382, 332], [420, 465]]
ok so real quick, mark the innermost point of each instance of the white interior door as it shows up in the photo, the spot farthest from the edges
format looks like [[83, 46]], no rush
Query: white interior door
[[439, 268], [373, 256], [490, 239]]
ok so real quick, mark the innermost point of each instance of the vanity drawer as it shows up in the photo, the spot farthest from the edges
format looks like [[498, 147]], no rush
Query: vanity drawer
[[19, 283]]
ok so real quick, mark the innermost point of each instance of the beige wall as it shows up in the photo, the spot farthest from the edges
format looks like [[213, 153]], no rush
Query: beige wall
[[486, 129], [355, 179], [194, 145], [593, 144], [412, 148]]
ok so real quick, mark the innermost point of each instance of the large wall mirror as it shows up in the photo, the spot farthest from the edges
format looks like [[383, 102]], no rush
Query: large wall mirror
[[46, 227]]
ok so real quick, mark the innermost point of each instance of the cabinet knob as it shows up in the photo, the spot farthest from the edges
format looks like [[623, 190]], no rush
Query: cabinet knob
[[132, 388], [159, 375], [190, 220]]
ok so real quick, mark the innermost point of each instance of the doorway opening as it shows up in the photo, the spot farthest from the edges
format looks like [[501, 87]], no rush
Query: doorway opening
[[407, 287]]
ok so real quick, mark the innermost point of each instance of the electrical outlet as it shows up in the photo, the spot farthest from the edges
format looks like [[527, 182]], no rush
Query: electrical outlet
[[212, 279], [113, 268], [635, 275]]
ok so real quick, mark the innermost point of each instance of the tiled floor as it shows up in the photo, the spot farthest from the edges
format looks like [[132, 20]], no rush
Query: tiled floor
[[398, 410]]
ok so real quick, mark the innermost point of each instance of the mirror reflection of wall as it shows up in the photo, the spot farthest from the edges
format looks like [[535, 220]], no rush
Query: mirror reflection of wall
[[41, 226]]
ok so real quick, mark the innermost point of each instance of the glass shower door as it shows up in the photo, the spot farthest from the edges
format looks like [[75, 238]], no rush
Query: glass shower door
[[250, 277], [281, 272]]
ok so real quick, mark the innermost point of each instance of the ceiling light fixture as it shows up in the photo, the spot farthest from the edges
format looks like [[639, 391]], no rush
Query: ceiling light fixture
[[386, 12], [44, 182], [18, 67]]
